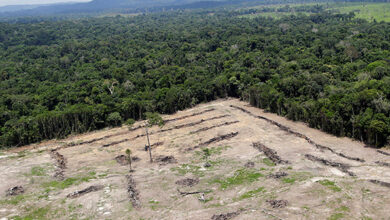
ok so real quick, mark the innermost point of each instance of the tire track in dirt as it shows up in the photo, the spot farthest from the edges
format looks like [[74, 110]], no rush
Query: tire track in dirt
[[297, 134]]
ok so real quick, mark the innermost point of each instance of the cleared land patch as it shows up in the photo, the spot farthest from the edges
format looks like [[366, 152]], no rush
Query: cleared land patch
[[215, 161]]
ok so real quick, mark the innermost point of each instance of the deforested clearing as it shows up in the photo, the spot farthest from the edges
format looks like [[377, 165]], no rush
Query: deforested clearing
[[223, 179]]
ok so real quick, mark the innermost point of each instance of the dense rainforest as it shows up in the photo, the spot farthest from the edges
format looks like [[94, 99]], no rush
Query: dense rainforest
[[62, 77]]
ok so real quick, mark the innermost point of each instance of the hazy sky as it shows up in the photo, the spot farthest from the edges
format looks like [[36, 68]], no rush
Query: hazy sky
[[31, 2]]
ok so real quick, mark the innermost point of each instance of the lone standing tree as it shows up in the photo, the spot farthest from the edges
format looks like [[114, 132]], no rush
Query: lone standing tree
[[152, 119]]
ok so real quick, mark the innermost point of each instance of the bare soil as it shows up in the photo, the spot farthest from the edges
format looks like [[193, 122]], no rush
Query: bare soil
[[77, 178]]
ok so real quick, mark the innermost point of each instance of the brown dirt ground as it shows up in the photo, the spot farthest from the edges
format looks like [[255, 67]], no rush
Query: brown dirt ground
[[313, 190]]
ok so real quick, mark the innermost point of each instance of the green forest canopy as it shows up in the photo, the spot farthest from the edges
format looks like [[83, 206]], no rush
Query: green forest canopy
[[329, 70]]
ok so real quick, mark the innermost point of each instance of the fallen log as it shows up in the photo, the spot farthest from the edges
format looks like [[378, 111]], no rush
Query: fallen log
[[191, 193], [85, 191]]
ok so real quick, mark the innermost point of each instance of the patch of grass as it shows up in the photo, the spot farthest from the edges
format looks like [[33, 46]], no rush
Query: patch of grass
[[102, 175], [14, 200], [268, 162], [214, 205], [38, 171], [19, 155], [330, 184], [300, 176], [241, 176], [69, 181], [306, 208], [208, 200], [35, 213], [188, 168], [251, 193], [212, 151], [343, 209], [336, 216], [288, 180], [154, 204]]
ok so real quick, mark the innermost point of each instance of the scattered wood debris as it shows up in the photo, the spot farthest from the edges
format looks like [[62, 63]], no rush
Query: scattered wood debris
[[278, 175], [250, 164], [163, 160], [85, 191], [226, 216], [297, 134], [167, 129], [213, 140], [14, 191], [133, 192], [277, 204], [115, 142], [191, 193], [381, 183], [380, 163], [271, 154], [383, 152], [132, 129], [187, 182], [215, 126], [60, 163], [342, 167], [123, 160], [188, 116]]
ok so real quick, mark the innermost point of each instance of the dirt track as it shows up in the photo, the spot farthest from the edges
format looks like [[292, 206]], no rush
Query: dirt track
[[317, 186]]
